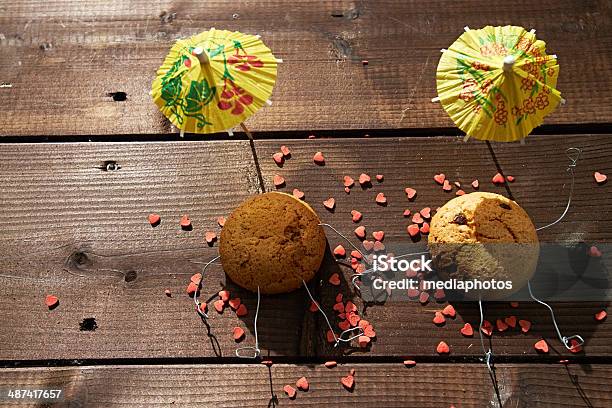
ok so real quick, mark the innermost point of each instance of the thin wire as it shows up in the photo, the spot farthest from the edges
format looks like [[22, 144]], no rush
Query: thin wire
[[573, 153], [195, 295], [488, 354], [346, 239], [337, 339], [256, 350], [565, 340]]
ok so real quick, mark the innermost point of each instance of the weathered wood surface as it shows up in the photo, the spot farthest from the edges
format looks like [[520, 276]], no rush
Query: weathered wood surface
[[64, 57], [376, 385], [540, 170], [70, 227]]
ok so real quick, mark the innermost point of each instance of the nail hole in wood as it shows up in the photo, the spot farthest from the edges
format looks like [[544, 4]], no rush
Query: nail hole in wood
[[130, 276], [109, 165], [118, 96]]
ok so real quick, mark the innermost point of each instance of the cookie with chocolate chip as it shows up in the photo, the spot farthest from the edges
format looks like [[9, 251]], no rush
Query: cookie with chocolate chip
[[484, 236], [272, 241]]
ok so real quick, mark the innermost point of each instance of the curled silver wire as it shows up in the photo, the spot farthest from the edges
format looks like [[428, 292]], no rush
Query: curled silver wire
[[340, 338], [346, 239], [196, 298]]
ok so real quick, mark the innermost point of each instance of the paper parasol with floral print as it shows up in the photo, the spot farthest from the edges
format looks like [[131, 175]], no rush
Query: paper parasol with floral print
[[497, 83], [214, 80]]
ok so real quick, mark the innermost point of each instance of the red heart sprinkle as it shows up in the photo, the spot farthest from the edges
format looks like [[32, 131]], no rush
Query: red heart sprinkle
[[380, 177], [460, 192], [410, 192], [475, 184], [363, 341], [575, 346], [221, 221], [290, 391], [210, 237], [498, 179], [285, 151], [51, 301], [379, 246], [409, 363], [313, 307], [356, 215], [447, 186], [525, 325], [467, 330], [406, 212], [457, 184], [368, 245], [369, 331], [350, 307], [424, 297], [234, 303], [238, 333], [319, 159], [354, 319], [168, 293], [330, 364], [356, 254], [302, 384], [192, 288], [154, 219], [348, 181], [601, 315], [267, 363], [364, 179], [360, 232], [242, 310], [185, 221], [541, 346], [487, 328], [378, 235], [413, 293], [413, 230], [360, 269], [203, 307], [442, 348], [449, 311], [426, 212], [330, 203], [339, 251], [439, 318], [338, 307], [339, 297], [330, 337], [600, 178], [510, 179], [514, 304], [196, 278], [279, 158], [417, 219], [440, 178], [298, 194], [219, 304], [594, 252], [511, 321], [348, 382], [424, 228], [224, 295], [344, 325], [381, 199], [278, 181], [501, 325], [334, 279]]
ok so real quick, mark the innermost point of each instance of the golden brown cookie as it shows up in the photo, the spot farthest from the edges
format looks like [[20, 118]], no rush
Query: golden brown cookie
[[273, 241], [484, 236]]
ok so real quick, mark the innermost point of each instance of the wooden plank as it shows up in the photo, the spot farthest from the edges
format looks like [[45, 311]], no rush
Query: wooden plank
[[64, 57], [380, 385], [406, 327], [72, 228]]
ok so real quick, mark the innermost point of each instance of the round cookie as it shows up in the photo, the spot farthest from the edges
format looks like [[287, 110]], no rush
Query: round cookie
[[484, 236], [273, 241]]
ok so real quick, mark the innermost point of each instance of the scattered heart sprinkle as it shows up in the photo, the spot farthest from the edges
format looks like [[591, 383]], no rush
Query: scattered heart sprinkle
[[487, 328], [600, 178], [242, 310], [221, 221], [278, 181], [510, 179], [447, 186], [285, 151], [51, 301], [319, 159], [348, 181], [185, 221], [154, 219], [192, 288], [168, 293], [413, 230], [498, 179], [339, 251], [440, 178], [409, 363], [302, 384], [356, 215], [410, 193], [238, 333], [439, 318], [298, 194], [290, 391], [360, 232], [330, 203], [364, 179], [449, 311], [210, 237], [219, 305], [235, 303], [501, 325], [510, 321], [330, 364], [442, 348], [541, 346], [475, 184], [525, 325], [196, 278], [594, 252], [224, 295], [380, 178], [363, 341], [334, 279], [278, 158], [601, 315], [378, 235], [467, 330], [381, 199], [348, 382]]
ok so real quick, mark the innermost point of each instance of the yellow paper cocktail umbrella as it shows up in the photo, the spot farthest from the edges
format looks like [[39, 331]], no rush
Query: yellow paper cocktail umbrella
[[214, 80], [497, 83]]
